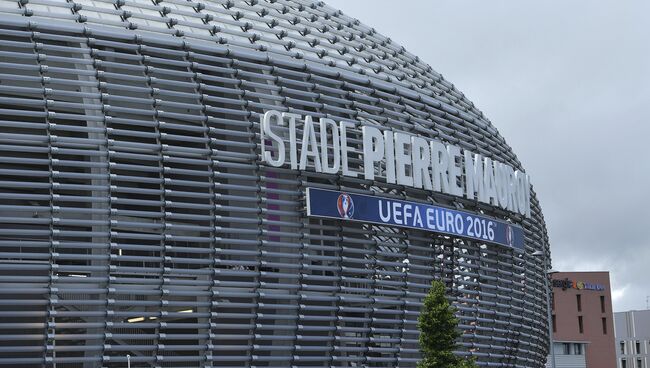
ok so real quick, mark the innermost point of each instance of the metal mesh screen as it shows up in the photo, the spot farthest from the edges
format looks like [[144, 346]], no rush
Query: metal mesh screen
[[136, 218]]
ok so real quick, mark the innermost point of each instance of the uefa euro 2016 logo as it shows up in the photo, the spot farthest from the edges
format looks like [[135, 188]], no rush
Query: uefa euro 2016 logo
[[345, 205]]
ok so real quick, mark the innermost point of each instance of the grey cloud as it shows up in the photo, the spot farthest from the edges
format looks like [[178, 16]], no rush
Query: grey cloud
[[568, 85]]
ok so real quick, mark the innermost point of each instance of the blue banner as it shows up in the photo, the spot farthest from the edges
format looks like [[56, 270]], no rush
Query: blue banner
[[391, 212]]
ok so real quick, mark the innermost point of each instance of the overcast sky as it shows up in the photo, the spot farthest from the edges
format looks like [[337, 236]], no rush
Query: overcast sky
[[567, 83]]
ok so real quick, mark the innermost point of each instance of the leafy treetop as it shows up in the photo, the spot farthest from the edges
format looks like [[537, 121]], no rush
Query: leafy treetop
[[438, 332]]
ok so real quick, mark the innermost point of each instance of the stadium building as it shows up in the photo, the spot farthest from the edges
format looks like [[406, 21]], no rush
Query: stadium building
[[219, 183]]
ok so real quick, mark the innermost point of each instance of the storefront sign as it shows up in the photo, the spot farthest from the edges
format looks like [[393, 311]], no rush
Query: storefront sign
[[390, 212], [396, 157], [578, 285]]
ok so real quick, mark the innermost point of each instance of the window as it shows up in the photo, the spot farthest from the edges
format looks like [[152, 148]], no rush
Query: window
[[580, 326], [577, 349], [639, 363], [604, 320], [623, 363], [602, 303], [637, 347], [566, 348], [554, 325], [622, 347], [579, 302]]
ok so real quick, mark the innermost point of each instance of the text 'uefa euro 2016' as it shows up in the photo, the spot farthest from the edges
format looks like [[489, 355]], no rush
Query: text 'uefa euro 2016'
[[396, 157]]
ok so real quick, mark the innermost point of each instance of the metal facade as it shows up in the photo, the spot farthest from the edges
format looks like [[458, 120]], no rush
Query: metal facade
[[136, 218]]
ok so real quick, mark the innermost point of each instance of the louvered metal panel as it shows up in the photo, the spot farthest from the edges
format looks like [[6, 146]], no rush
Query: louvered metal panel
[[136, 219]]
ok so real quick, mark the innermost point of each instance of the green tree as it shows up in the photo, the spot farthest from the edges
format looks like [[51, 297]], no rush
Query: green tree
[[438, 332]]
